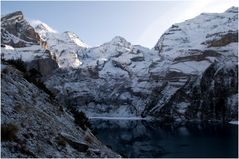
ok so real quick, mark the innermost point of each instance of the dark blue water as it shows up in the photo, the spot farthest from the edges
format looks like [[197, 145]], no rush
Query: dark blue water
[[153, 139]]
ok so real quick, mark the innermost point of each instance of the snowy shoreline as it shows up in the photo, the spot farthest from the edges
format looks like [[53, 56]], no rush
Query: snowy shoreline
[[137, 118], [234, 122], [119, 118]]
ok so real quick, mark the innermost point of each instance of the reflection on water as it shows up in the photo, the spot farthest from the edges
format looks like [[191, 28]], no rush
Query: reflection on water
[[137, 138]]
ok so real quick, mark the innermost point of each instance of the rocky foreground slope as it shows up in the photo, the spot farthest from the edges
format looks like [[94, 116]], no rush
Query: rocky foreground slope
[[35, 125], [190, 74]]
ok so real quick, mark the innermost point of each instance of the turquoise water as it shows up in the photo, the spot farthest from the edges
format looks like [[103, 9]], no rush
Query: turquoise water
[[136, 138]]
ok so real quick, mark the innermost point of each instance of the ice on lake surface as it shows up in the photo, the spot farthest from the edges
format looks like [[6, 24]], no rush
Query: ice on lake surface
[[140, 138]]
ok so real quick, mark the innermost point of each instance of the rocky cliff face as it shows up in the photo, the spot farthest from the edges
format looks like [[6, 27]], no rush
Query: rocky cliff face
[[35, 57], [17, 32], [200, 75], [212, 96]]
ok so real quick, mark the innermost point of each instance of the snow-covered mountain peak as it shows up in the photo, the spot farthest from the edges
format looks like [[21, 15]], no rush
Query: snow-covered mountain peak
[[75, 38], [48, 33], [118, 40], [232, 10], [198, 33], [64, 46], [40, 26], [42, 29]]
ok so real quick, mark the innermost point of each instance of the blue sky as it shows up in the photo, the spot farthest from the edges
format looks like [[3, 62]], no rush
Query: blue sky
[[139, 22]]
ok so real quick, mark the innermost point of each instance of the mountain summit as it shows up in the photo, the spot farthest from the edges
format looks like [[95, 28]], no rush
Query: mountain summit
[[232, 10], [118, 40]]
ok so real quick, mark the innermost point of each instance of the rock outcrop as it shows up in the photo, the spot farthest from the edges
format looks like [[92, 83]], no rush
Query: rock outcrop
[[17, 32], [44, 66]]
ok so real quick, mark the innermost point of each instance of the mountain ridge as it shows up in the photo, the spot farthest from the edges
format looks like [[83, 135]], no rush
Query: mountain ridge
[[133, 72]]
